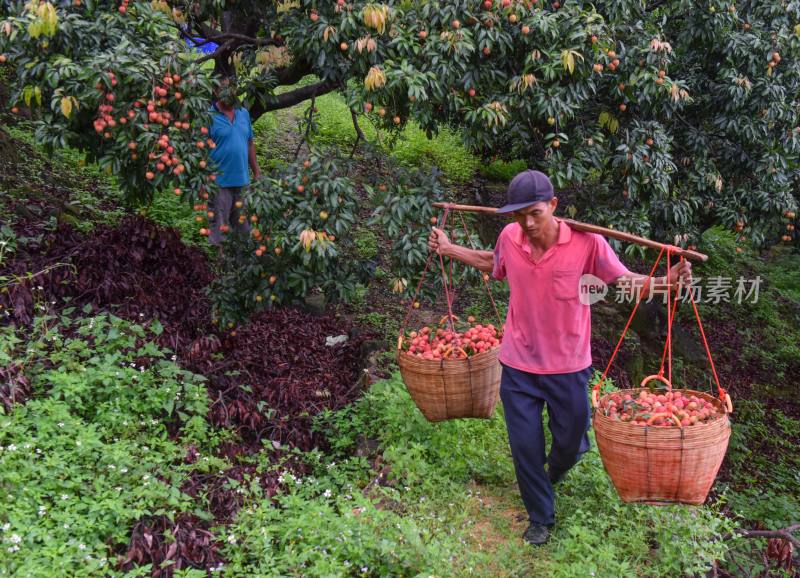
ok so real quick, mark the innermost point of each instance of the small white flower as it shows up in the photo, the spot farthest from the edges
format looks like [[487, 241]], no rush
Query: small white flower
[[327, 493], [364, 569], [11, 447], [61, 424], [15, 539], [81, 546], [146, 477], [66, 526], [231, 539], [6, 527], [78, 443], [123, 470], [64, 497]]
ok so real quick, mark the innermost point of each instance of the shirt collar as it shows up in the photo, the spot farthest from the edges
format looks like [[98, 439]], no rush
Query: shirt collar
[[215, 108], [564, 236]]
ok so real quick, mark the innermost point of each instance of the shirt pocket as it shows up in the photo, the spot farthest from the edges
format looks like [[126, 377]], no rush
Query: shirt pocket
[[565, 284]]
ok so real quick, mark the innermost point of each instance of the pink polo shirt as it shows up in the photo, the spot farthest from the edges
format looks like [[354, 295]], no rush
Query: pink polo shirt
[[548, 329]]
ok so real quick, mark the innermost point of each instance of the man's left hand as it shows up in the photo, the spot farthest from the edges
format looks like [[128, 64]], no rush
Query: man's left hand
[[681, 271]]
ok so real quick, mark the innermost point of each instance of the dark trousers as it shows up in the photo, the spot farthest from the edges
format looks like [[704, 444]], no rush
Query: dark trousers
[[524, 397], [223, 204]]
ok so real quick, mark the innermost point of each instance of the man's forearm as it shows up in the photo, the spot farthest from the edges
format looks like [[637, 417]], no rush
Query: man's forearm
[[483, 260], [253, 159]]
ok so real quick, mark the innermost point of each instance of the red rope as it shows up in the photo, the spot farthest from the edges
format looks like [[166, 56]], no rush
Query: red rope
[[666, 344], [722, 392], [628, 324], [669, 319], [485, 279], [444, 281], [419, 284]]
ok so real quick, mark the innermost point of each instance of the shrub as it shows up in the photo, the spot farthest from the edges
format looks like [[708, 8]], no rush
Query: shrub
[[92, 451], [503, 171]]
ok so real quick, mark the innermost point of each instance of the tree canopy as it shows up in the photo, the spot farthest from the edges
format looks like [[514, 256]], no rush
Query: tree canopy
[[663, 117]]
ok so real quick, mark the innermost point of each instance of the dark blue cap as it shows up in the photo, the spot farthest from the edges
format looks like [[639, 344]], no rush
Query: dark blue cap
[[527, 188]]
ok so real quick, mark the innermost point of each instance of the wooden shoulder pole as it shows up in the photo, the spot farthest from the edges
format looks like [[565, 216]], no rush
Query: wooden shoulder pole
[[589, 228]]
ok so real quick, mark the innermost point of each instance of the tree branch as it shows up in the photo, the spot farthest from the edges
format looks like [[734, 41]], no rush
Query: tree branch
[[224, 47], [655, 5], [359, 133], [291, 98], [308, 126], [783, 534]]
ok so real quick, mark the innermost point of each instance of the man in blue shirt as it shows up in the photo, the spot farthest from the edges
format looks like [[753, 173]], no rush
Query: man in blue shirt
[[232, 134]]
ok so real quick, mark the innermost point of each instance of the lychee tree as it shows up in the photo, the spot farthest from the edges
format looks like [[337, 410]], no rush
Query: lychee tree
[[663, 117]]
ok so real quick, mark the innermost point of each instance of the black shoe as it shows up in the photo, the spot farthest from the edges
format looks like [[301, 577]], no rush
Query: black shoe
[[536, 534], [555, 478]]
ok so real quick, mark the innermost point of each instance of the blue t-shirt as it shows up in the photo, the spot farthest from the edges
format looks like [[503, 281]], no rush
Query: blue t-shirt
[[232, 140]]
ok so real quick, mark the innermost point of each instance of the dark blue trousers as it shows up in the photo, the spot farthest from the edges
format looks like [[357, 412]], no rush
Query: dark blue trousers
[[524, 397]]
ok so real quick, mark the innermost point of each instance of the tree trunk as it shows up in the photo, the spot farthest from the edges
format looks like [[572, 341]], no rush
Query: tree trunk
[[8, 152]]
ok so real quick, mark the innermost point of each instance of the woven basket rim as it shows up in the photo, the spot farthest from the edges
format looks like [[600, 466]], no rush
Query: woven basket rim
[[448, 362], [696, 427]]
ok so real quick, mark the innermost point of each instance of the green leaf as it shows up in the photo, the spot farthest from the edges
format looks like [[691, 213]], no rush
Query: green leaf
[[156, 327]]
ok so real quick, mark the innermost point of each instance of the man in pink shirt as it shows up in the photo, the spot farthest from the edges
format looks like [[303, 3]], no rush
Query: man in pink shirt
[[545, 353]]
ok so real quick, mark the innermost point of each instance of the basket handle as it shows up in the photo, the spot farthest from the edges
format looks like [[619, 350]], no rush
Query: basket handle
[[674, 418], [659, 377], [728, 403]]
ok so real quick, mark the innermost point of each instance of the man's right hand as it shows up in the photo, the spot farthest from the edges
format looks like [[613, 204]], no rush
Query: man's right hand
[[438, 242]]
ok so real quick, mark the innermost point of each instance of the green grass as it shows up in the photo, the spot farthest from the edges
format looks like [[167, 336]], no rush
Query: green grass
[[412, 147], [170, 211], [503, 171], [454, 469]]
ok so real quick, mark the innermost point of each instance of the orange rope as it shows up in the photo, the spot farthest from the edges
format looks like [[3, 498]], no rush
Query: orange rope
[[419, 284], [485, 280], [445, 283], [628, 324], [669, 320], [666, 344], [721, 391]]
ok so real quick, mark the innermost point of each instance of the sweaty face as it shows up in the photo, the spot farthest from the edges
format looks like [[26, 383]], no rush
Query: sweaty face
[[536, 219]]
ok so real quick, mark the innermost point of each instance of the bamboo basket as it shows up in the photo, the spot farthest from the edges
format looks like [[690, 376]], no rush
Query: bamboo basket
[[660, 465], [453, 388]]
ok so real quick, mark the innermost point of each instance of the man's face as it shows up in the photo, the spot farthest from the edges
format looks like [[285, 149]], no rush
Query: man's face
[[226, 94], [535, 220]]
